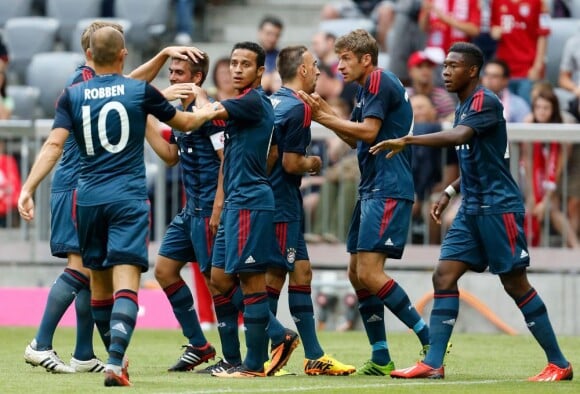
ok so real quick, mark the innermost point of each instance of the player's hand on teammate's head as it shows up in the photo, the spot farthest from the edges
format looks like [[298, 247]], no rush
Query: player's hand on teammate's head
[[178, 91], [394, 147], [185, 53], [26, 206]]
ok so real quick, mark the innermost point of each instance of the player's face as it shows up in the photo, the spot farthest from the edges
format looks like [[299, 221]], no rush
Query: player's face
[[179, 72], [243, 68], [350, 66], [456, 73], [310, 67]]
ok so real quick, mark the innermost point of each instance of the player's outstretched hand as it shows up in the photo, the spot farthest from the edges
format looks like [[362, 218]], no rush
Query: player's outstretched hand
[[395, 146], [438, 207], [184, 53], [316, 103], [178, 91], [26, 206]]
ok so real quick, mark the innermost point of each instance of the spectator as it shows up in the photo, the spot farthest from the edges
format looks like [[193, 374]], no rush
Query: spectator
[[6, 103], [521, 28], [184, 21], [380, 11], [223, 87], [323, 48], [421, 65], [543, 85], [330, 88], [408, 36], [269, 33], [426, 163], [338, 187], [9, 186], [569, 77], [449, 21], [543, 174], [496, 76]]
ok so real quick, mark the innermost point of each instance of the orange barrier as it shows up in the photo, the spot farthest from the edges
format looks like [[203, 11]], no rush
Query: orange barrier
[[476, 304]]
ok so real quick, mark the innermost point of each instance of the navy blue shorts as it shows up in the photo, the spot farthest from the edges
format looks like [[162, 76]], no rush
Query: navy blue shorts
[[497, 241], [381, 226], [188, 239], [290, 245], [63, 227], [244, 240], [113, 234]]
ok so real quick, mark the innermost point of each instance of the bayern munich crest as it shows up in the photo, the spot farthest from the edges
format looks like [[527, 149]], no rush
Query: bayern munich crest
[[291, 255]]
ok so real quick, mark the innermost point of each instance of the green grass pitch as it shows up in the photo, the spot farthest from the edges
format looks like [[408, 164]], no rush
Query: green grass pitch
[[477, 364]]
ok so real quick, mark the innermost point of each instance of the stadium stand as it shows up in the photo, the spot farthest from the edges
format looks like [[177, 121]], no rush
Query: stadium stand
[[26, 37], [26, 100], [68, 12], [13, 9], [60, 65]]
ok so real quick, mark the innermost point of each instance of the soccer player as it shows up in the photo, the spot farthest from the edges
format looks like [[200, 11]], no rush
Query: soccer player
[[488, 229], [190, 235], [246, 230], [299, 70], [380, 221], [107, 115], [73, 283]]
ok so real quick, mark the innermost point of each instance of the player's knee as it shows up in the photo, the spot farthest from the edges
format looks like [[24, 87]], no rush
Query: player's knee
[[444, 282], [302, 275]]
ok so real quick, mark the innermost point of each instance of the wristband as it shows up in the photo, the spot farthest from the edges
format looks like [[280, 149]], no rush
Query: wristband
[[450, 191]]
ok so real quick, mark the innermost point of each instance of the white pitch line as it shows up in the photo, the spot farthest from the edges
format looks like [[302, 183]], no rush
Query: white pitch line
[[426, 382]]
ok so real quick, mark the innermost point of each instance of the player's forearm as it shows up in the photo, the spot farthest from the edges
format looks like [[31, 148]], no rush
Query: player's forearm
[[166, 151], [149, 70], [44, 163], [218, 202], [541, 48], [346, 130], [442, 139]]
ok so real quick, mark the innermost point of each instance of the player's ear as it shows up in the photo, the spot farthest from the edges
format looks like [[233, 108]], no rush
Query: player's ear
[[260, 71]]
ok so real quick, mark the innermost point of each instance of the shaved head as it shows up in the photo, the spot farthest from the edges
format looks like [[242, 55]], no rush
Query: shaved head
[[106, 45]]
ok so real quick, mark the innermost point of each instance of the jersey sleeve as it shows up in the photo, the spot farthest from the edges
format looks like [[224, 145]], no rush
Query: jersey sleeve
[[248, 107], [216, 133], [474, 13], [544, 21], [484, 112], [155, 104], [62, 117], [298, 129], [377, 95]]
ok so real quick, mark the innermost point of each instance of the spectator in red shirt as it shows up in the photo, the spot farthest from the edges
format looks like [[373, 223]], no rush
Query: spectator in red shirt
[[449, 21], [521, 28]]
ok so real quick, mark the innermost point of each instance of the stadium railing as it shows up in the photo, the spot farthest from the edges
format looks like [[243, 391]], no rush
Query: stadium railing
[[23, 139]]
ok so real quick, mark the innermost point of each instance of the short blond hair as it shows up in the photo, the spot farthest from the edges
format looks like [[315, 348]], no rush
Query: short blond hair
[[94, 26], [359, 42]]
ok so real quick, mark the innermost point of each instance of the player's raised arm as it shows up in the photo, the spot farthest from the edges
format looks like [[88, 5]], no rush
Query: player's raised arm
[[149, 70]]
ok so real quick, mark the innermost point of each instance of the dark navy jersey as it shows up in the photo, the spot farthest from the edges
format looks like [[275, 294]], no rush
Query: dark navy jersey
[[384, 97], [107, 116], [247, 143], [66, 175], [200, 163], [291, 134], [487, 185]]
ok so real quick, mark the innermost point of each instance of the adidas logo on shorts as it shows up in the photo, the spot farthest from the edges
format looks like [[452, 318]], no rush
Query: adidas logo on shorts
[[389, 242], [249, 260]]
